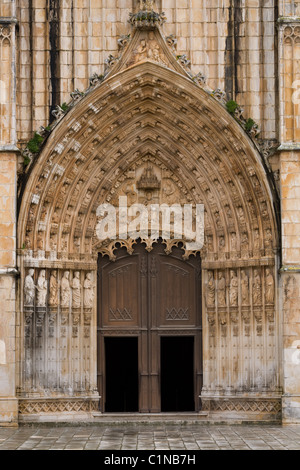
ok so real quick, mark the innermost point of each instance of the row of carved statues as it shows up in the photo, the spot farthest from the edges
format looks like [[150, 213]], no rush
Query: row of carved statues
[[216, 289], [65, 292]]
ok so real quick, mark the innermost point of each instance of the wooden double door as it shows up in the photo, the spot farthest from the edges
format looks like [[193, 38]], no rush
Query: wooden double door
[[149, 331]]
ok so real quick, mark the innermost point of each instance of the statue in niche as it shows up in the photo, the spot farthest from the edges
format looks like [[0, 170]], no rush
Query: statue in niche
[[268, 239], [153, 48], [233, 241], [53, 296], [29, 288], [41, 289], [55, 217], [241, 215], [210, 245], [141, 51], [245, 288], [234, 289], [53, 243], [40, 242], [65, 290], [245, 241], [256, 239], [88, 286], [221, 290], [169, 191], [76, 290], [210, 298], [257, 296], [44, 214], [222, 243], [27, 241], [270, 287]]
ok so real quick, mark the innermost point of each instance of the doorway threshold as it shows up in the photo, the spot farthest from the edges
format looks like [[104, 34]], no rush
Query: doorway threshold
[[176, 418]]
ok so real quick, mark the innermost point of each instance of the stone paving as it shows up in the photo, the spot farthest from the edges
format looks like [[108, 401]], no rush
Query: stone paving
[[151, 437]]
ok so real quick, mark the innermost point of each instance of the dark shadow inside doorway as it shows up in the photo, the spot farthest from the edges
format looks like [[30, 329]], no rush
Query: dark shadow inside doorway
[[177, 374], [121, 360]]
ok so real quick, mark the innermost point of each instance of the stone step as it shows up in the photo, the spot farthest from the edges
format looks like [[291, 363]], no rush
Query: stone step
[[176, 418]]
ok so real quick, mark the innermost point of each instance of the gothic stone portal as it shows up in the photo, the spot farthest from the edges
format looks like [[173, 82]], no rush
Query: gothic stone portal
[[148, 119], [154, 298]]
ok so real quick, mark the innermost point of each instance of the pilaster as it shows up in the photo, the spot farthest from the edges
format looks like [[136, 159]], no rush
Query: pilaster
[[289, 132], [8, 171]]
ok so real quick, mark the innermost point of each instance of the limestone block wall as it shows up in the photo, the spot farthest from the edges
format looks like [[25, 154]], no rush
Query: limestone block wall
[[289, 136], [8, 176], [61, 44]]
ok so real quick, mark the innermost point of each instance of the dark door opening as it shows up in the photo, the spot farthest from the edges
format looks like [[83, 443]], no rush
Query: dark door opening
[[177, 374], [121, 360]]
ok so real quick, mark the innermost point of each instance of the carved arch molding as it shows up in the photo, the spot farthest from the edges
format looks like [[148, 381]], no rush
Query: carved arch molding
[[148, 120]]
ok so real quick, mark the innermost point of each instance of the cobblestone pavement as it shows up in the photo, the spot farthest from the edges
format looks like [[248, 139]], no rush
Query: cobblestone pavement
[[151, 437]]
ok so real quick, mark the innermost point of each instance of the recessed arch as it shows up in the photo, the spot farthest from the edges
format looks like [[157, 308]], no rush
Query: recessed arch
[[149, 115], [208, 148]]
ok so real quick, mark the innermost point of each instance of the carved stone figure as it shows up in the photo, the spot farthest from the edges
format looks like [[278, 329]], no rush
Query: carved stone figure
[[29, 288], [245, 288], [221, 290], [233, 241], [53, 296], [268, 239], [211, 290], [65, 290], [270, 287], [234, 289], [257, 296], [256, 239], [76, 290], [88, 286], [41, 289], [141, 51], [153, 48]]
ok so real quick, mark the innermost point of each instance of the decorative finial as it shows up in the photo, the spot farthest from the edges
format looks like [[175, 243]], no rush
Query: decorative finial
[[147, 5]]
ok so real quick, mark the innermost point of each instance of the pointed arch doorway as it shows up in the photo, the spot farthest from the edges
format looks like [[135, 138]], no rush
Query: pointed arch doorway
[[149, 331]]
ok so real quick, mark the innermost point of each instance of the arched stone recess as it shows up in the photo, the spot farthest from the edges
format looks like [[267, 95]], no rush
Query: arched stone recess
[[149, 120]]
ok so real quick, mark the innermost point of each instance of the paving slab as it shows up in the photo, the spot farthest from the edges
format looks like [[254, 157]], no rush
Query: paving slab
[[149, 437]]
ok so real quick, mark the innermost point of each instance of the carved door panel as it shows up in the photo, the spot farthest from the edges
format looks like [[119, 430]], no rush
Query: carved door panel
[[149, 295]]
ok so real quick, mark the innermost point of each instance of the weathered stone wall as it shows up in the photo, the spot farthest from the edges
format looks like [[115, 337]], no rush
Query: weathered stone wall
[[59, 44], [63, 43]]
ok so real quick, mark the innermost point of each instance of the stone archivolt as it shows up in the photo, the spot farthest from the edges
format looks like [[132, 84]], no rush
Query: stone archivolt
[[148, 119]]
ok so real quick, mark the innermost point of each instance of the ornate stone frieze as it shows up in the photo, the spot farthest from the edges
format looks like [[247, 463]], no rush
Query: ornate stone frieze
[[50, 406], [242, 405]]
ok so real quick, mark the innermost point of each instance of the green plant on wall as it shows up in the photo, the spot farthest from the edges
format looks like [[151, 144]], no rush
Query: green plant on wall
[[231, 106], [35, 143]]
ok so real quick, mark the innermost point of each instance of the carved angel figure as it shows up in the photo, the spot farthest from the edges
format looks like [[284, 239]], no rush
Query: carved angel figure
[[29, 288]]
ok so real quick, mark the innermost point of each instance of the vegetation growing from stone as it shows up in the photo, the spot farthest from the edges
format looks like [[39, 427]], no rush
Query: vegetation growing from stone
[[231, 106]]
